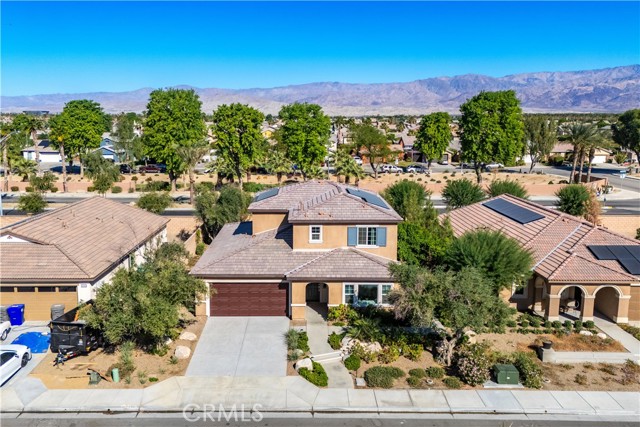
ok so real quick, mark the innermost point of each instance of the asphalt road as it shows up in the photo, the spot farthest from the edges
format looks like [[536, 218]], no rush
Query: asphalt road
[[335, 420]]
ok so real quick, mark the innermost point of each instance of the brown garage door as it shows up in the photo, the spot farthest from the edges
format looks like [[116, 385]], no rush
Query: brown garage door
[[249, 299]]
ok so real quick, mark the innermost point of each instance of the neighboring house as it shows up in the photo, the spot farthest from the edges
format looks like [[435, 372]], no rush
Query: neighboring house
[[47, 153], [565, 150], [108, 150], [313, 242], [65, 255], [572, 272]]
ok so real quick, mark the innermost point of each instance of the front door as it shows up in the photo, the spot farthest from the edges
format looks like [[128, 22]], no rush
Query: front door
[[313, 292]]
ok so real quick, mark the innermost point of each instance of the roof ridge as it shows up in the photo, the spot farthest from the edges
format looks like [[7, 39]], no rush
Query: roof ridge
[[562, 265], [555, 248], [575, 255], [311, 261], [539, 233]]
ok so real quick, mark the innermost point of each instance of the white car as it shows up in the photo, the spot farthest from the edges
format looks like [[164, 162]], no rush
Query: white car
[[5, 328], [391, 169], [13, 357], [358, 160], [492, 166]]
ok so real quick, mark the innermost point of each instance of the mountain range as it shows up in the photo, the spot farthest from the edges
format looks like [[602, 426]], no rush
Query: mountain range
[[603, 90]]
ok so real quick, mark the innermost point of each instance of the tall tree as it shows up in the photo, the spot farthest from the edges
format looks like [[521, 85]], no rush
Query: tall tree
[[581, 136], [492, 129], [626, 132], [346, 166], [305, 134], [278, 163], [191, 155], [540, 135], [217, 209], [127, 143], [238, 139], [30, 124], [434, 136], [77, 130], [173, 119], [372, 143], [573, 199], [101, 171]]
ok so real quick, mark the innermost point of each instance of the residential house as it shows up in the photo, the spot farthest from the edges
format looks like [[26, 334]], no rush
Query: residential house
[[578, 268], [46, 152], [65, 255], [313, 242], [109, 151], [565, 149]]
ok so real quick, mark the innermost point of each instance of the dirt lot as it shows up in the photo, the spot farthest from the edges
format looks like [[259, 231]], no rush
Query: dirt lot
[[75, 372], [507, 343]]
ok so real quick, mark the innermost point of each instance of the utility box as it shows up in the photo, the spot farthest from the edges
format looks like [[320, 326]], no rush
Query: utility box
[[506, 374]]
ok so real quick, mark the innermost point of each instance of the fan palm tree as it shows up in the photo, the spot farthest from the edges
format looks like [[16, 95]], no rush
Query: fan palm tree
[[191, 154], [222, 170], [278, 163], [24, 168], [582, 136], [346, 166]]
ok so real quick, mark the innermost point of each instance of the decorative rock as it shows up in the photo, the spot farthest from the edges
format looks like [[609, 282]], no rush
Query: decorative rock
[[188, 336], [472, 336], [587, 333], [297, 353], [304, 363], [182, 352], [360, 382], [374, 347], [168, 341], [601, 335]]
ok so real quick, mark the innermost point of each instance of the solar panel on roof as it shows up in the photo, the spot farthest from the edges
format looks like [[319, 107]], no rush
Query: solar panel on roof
[[635, 251], [513, 211], [602, 252], [620, 252], [632, 265], [368, 197], [266, 194]]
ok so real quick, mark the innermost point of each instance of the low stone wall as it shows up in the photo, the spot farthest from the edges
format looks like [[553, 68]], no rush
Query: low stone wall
[[552, 356]]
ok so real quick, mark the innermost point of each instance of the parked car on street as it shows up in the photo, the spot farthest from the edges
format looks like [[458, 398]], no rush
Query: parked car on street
[[416, 169], [391, 169], [182, 199], [492, 166], [125, 168], [358, 160], [13, 357], [149, 169]]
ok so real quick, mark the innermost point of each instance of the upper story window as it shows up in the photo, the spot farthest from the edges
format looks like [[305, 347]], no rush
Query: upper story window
[[315, 234], [367, 236]]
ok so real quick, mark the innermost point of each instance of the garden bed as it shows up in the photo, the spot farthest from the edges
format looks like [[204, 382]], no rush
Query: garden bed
[[74, 374], [510, 342]]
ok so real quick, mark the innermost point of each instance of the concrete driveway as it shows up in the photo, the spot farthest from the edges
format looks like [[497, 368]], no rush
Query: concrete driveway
[[36, 358], [241, 347]]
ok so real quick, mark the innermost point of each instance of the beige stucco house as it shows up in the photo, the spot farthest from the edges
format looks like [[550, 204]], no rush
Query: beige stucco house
[[579, 268], [316, 241], [65, 255]]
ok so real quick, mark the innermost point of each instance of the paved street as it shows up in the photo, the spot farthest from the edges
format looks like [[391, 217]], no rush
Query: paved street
[[241, 346]]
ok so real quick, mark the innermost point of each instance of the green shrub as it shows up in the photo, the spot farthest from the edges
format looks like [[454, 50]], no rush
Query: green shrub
[[461, 193], [556, 324], [452, 382], [254, 187], [589, 324], [414, 382], [435, 372], [418, 372], [153, 379], [512, 323], [524, 323], [342, 312], [292, 338], [535, 322], [317, 377], [90, 189], [125, 364], [506, 186], [200, 248], [382, 376], [303, 342], [548, 324], [389, 354], [154, 202], [359, 351], [28, 189], [152, 186], [568, 324], [32, 203], [580, 379], [530, 371], [335, 341], [352, 363], [116, 189], [413, 352], [578, 324], [473, 364], [15, 188]]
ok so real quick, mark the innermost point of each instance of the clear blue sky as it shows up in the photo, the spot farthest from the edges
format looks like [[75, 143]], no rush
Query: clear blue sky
[[53, 47]]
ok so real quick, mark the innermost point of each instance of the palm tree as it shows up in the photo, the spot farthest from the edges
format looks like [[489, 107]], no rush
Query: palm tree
[[24, 168], [191, 155], [581, 136], [346, 166], [278, 163], [222, 169]]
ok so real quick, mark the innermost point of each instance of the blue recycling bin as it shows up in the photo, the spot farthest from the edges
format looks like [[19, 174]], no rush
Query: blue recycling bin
[[16, 314]]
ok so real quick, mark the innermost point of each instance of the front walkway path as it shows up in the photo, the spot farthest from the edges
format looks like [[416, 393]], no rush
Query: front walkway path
[[617, 333], [318, 332], [241, 347]]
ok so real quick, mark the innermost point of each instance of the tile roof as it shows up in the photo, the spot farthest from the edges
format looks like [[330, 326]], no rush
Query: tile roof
[[91, 234], [321, 201], [235, 253], [558, 242]]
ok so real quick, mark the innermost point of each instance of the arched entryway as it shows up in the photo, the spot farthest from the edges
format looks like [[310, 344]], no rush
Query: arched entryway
[[607, 302], [572, 299], [317, 296]]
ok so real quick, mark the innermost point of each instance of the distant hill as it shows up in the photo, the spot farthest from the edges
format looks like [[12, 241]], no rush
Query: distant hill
[[605, 90]]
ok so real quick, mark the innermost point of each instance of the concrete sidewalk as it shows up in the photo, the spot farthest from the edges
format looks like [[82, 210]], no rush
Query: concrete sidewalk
[[295, 395]]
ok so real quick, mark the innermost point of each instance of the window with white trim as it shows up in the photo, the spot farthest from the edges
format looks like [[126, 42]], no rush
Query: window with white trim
[[384, 292], [367, 236], [315, 234], [349, 294]]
